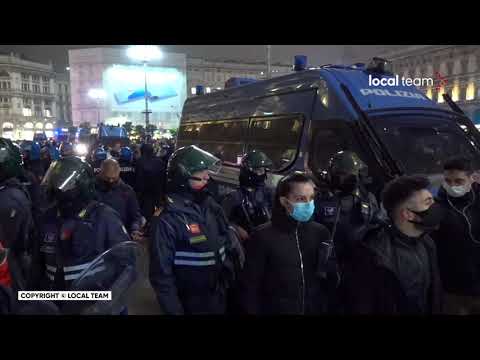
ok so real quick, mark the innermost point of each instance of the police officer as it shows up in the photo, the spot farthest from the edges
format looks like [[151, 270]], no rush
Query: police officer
[[127, 166], [66, 149], [15, 214], [76, 228], [250, 205], [31, 157], [111, 190], [98, 156], [345, 206], [191, 245]]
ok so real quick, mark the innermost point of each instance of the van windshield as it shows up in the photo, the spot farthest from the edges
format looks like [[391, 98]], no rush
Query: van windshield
[[421, 144]]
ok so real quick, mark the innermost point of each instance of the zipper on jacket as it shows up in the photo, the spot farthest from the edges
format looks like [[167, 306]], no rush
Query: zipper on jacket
[[301, 268]]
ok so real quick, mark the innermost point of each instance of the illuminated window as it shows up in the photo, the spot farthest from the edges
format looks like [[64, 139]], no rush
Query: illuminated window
[[429, 93], [455, 93], [440, 93], [194, 91], [208, 90], [27, 111], [470, 91], [39, 125]]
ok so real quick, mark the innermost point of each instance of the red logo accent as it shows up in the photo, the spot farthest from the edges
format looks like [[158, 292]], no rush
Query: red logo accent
[[441, 81], [194, 228]]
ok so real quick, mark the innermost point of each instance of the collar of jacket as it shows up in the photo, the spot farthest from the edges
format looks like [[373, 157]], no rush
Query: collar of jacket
[[461, 201], [281, 220], [101, 186], [382, 248], [183, 202]]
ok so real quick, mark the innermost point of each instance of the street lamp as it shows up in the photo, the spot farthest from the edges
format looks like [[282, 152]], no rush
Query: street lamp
[[145, 53], [97, 95]]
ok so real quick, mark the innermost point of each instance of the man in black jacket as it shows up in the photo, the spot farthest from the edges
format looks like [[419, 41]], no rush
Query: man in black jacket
[[286, 260], [395, 267], [458, 238], [111, 190], [150, 174]]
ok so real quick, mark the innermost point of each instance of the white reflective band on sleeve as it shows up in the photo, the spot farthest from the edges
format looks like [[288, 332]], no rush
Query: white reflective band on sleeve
[[73, 267], [223, 257], [194, 254], [222, 250], [79, 267], [91, 272], [194, 263]]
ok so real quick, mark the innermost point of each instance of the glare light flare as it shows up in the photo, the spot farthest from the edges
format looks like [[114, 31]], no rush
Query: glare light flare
[[144, 53], [97, 94]]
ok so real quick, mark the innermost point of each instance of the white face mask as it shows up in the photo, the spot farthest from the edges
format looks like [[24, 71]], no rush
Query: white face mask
[[456, 191]]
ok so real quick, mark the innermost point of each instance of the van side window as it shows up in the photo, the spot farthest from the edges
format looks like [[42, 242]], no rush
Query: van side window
[[225, 138], [278, 137]]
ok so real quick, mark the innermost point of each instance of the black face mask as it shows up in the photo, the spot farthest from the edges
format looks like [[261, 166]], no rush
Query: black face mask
[[250, 179], [69, 203], [431, 218], [346, 185], [107, 185]]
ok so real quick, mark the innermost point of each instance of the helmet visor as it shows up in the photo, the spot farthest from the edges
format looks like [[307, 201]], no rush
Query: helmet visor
[[62, 176]]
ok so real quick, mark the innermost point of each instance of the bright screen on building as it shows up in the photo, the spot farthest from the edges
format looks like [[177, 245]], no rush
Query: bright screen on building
[[125, 90]]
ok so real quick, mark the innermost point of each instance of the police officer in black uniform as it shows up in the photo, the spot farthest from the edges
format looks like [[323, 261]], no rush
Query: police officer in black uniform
[[16, 219], [192, 252], [250, 205], [348, 210], [66, 149], [76, 228], [345, 207], [127, 166], [98, 156]]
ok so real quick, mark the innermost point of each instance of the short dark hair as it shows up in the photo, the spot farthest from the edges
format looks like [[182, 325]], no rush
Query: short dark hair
[[285, 184], [459, 163], [400, 189]]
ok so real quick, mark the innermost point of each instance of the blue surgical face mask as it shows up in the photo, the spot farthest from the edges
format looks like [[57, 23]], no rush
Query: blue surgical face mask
[[303, 211]]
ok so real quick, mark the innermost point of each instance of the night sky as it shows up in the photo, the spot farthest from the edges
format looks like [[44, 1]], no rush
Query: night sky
[[317, 54]]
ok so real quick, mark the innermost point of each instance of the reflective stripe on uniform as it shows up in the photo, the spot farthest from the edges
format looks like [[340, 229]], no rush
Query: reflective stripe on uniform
[[223, 257], [83, 266], [195, 254], [195, 262], [76, 276], [222, 250]]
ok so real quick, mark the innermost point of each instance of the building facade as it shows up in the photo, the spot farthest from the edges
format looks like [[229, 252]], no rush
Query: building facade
[[122, 81], [92, 69], [28, 97], [454, 68], [64, 106], [213, 74]]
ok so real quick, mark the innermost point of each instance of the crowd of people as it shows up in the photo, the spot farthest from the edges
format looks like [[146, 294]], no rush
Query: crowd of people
[[317, 244]]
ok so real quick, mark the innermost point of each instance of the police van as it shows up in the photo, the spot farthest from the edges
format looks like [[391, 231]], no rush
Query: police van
[[301, 119]]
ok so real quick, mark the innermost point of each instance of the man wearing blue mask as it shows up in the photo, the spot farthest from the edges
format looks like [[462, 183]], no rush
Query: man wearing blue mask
[[284, 270], [458, 238]]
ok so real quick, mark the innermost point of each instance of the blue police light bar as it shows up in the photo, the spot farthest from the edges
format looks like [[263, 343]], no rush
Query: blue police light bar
[[199, 90], [233, 82], [299, 63]]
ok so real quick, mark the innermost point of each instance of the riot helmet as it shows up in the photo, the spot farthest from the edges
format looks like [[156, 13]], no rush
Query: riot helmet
[[69, 183], [100, 154], [185, 162], [126, 154], [253, 168], [66, 149], [10, 160], [346, 169]]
